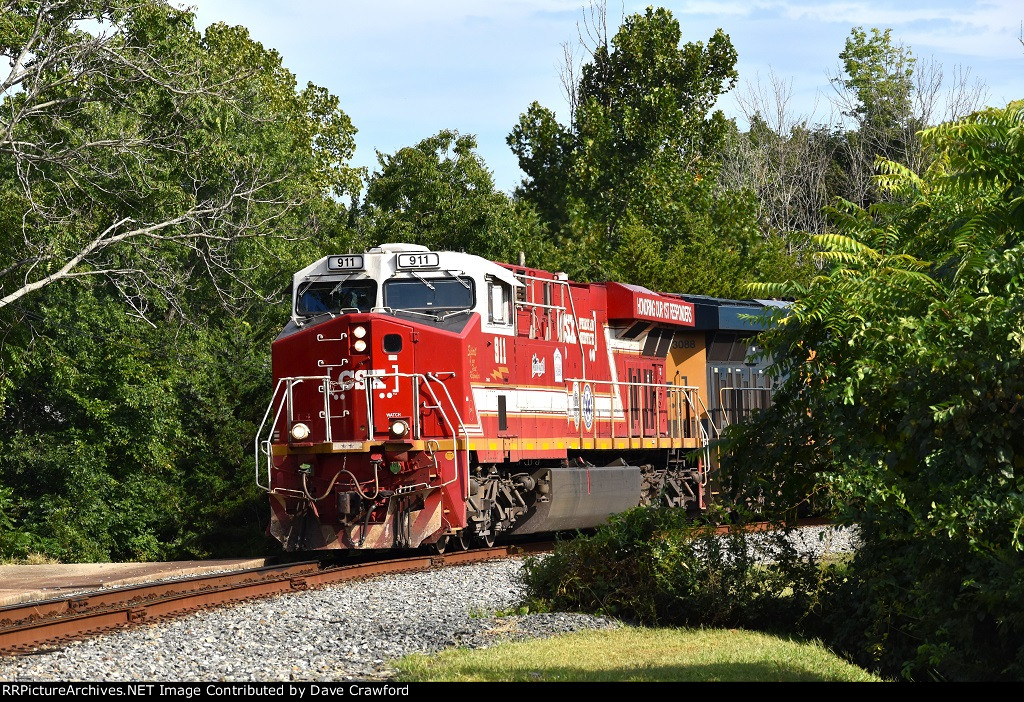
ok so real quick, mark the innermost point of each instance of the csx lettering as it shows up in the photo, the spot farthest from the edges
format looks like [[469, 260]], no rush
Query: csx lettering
[[568, 329], [358, 377]]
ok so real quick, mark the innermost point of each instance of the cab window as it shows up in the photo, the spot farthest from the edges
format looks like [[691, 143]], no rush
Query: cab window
[[319, 297], [499, 302], [429, 294]]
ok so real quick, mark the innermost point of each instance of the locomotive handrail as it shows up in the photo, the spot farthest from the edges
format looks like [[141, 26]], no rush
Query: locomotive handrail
[[721, 399], [684, 390], [711, 420], [286, 400], [572, 306], [462, 427], [533, 303], [259, 431], [583, 354]]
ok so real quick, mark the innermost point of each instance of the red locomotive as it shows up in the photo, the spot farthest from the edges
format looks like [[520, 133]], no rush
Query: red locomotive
[[437, 398]]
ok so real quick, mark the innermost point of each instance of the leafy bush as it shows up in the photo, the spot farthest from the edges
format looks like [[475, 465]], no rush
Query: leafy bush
[[658, 566], [904, 400]]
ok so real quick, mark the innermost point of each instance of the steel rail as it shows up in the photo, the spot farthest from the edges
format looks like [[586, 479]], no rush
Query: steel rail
[[27, 626]]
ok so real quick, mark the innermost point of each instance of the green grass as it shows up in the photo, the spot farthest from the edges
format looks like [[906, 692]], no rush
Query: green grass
[[639, 654]]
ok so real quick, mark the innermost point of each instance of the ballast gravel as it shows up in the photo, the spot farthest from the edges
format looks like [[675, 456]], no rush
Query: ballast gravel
[[349, 631]]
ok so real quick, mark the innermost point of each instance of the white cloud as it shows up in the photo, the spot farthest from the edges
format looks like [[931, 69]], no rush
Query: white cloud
[[987, 28]]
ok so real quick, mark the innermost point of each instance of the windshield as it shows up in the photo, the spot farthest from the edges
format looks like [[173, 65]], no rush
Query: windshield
[[429, 294], [318, 297]]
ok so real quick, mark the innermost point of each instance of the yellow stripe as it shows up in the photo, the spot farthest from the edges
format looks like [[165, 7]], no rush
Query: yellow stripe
[[526, 444]]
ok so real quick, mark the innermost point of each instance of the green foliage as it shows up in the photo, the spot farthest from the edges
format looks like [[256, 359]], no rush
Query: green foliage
[[659, 566], [881, 76], [440, 194], [902, 399], [135, 149], [545, 151], [131, 388], [628, 190], [889, 108], [126, 440]]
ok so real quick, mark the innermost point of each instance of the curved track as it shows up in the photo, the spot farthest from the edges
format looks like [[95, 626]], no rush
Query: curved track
[[24, 628]]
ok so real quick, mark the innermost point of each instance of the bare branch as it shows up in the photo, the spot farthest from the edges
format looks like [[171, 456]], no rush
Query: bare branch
[[105, 141], [570, 78]]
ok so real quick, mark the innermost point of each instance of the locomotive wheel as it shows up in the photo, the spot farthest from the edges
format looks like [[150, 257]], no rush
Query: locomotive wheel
[[487, 540], [461, 541], [441, 545]]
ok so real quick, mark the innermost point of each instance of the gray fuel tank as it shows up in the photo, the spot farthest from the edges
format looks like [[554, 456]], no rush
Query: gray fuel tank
[[581, 498]]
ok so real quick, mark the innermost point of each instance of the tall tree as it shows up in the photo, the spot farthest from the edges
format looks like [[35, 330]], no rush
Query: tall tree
[[159, 187], [628, 187], [439, 193], [134, 149], [643, 120], [876, 93]]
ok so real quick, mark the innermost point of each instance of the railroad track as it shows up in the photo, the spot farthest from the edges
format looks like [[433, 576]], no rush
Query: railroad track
[[27, 627]]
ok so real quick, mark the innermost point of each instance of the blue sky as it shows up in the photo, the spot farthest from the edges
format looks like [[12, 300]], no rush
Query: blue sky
[[405, 69]]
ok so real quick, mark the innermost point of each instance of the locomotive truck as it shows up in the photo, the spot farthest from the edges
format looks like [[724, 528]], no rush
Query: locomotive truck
[[435, 398]]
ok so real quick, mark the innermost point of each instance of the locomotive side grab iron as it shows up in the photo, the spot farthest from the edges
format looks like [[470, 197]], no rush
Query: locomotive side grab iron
[[430, 397]]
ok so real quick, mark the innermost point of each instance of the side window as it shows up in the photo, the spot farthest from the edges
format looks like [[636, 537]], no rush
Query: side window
[[499, 302]]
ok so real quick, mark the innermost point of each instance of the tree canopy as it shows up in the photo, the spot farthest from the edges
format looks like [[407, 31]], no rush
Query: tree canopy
[[158, 186], [137, 150], [629, 188], [440, 194]]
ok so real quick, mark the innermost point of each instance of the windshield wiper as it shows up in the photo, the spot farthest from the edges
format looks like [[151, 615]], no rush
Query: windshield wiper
[[334, 291], [456, 276], [423, 280]]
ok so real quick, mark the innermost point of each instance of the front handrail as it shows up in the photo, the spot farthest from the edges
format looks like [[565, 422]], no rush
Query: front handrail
[[263, 447], [282, 400], [417, 429]]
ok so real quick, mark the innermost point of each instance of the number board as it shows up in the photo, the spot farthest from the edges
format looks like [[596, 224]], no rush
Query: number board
[[419, 260], [345, 263]]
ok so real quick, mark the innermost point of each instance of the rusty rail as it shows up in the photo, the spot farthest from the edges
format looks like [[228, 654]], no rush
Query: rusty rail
[[25, 627]]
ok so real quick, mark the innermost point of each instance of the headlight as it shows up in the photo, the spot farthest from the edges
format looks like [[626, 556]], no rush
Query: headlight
[[359, 332], [360, 345], [300, 431], [399, 428]]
